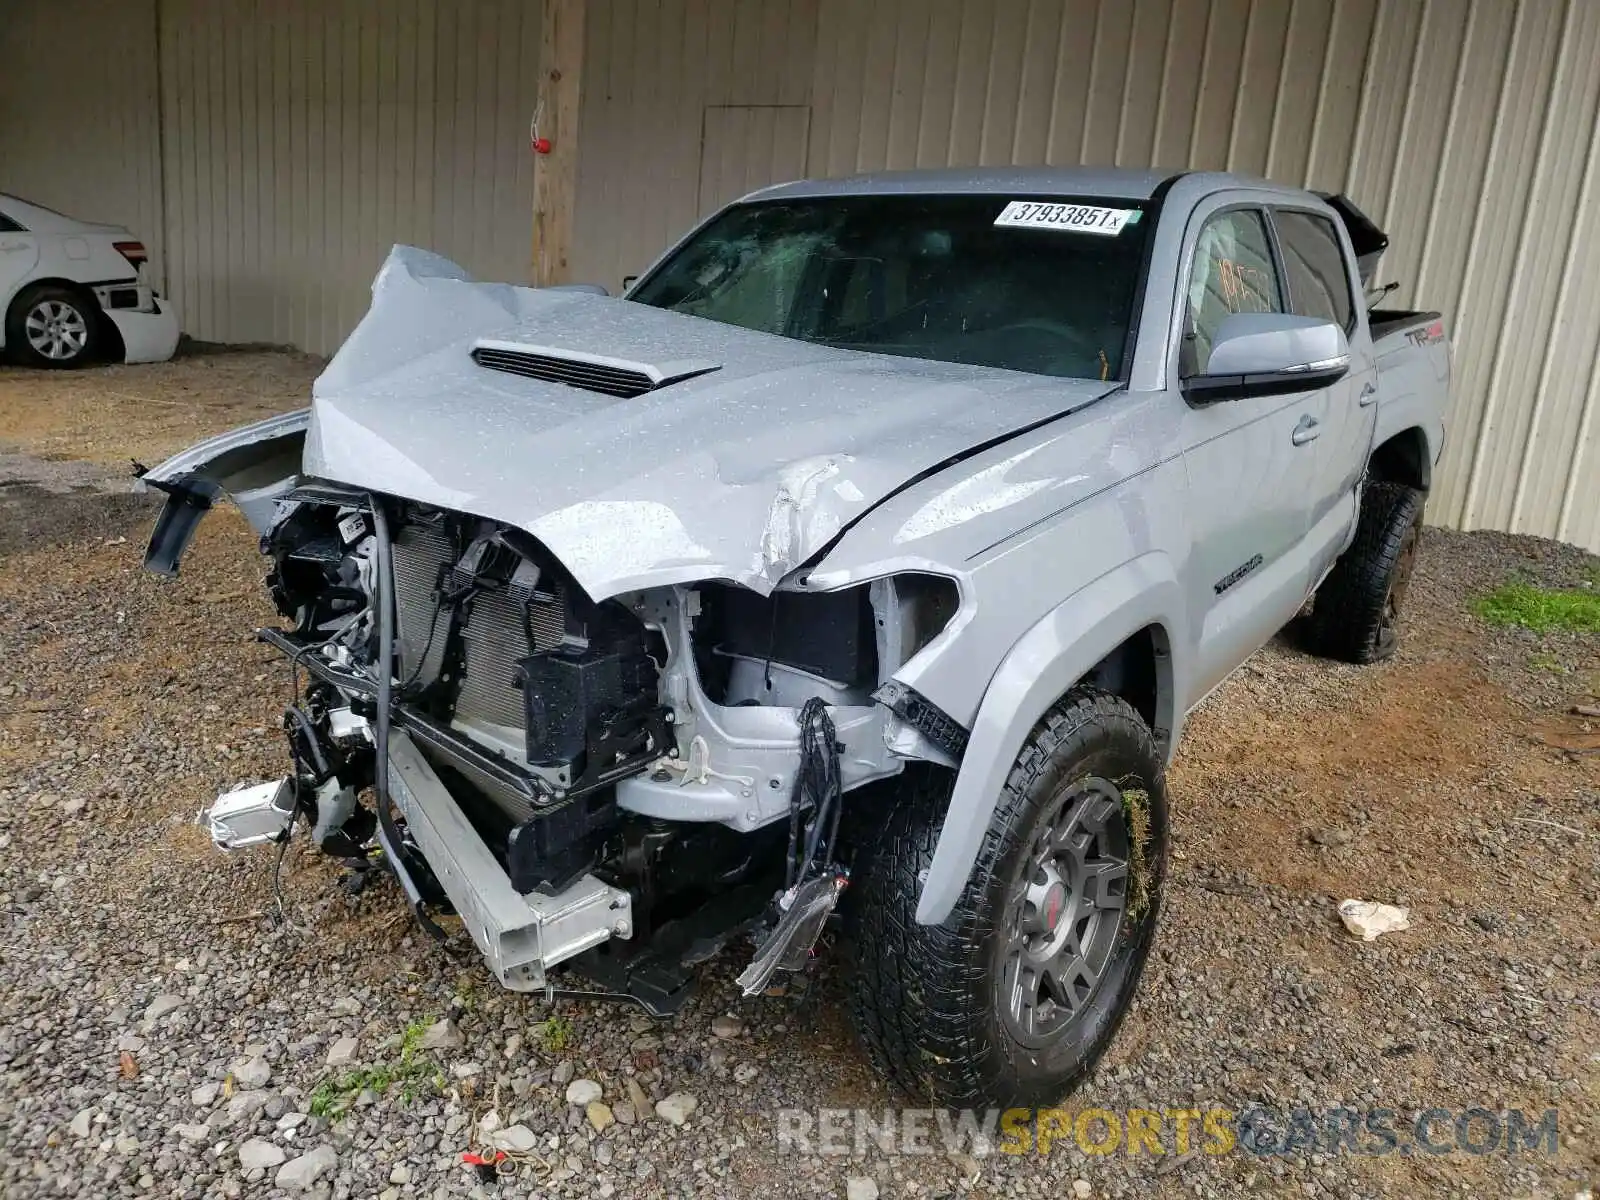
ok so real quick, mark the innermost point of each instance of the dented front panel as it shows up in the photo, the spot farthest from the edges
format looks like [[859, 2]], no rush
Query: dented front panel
[[741, 473]]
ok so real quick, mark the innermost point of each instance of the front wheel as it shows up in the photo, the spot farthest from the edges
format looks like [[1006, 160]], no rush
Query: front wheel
[[1016, 995]]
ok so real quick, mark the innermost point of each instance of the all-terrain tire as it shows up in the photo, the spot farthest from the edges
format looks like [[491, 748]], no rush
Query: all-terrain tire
[[54, 327], [1355, 617], [926, 1001]]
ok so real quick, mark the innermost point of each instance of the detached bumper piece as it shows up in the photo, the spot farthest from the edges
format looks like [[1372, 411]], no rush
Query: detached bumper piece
[[520, 936], [251, 815]]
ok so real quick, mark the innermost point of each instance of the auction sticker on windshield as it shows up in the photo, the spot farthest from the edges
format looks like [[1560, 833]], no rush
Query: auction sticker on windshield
[[1076, 218]]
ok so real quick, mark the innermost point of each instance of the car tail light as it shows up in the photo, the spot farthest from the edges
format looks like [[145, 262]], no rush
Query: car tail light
[[134, 252]]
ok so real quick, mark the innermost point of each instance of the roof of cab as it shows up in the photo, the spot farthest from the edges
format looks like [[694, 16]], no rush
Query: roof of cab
[[1088, 182]]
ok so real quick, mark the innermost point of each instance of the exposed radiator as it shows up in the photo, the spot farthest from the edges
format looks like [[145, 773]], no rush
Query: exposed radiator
[[499, 627], [494, 639], [421, 553]]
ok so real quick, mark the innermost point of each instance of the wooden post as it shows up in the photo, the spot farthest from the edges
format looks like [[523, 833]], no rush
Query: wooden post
[[555, 175]]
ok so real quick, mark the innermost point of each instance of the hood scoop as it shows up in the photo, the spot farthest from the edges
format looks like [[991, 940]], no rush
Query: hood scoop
[[588, 372]]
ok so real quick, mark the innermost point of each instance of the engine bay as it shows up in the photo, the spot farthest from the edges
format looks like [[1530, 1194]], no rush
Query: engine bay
[[686, 749]]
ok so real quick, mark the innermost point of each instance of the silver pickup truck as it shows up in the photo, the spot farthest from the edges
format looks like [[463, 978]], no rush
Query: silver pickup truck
[[857, 568]]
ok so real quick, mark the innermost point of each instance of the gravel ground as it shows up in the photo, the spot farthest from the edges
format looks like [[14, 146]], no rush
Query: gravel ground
[[163, 1032]]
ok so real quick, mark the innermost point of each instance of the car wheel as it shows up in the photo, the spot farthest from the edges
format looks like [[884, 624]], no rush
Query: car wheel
[[53, 327], [1014, 997], [1356, 615]]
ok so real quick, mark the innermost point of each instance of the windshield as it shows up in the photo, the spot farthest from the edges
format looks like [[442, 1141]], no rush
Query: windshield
[[1045, 286]]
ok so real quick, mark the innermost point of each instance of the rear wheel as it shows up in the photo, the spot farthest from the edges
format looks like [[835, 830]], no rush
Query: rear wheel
[[1356, 616], [51, 326], [1014, 997]]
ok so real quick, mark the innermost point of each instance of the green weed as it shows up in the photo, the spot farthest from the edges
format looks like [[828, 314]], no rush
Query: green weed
[[1541, 609], [412, 1070], [554, 1034]]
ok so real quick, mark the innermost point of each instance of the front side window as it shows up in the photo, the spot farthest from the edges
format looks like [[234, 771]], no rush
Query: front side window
[[1048, 289], [1314, 262], [1233, 272]]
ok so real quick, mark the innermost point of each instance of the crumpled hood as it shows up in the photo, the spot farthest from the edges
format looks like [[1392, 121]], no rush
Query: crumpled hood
[[741, 472]]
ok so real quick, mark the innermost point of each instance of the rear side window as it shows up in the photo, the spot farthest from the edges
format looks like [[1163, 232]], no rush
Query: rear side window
[[1319, 285], [7, 225], [1233, 272]]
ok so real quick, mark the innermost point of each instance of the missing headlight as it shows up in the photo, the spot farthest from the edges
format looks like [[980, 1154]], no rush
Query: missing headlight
[[784, 648]]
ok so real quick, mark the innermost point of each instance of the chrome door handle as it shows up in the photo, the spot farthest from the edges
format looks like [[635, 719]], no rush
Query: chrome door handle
[[1309, 430], [1369, 395]]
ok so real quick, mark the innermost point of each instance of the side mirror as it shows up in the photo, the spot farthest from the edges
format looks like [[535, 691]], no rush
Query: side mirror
[[628, 281], [1270, 354]]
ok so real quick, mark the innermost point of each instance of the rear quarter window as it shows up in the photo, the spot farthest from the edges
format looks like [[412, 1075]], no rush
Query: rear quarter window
[[1319, 284]]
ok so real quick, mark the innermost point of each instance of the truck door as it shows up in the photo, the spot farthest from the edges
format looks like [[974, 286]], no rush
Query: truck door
[[1249, 461], [1321, 283]]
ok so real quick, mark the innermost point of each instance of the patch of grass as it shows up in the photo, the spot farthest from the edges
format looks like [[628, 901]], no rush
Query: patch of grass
[[466, 992], [414, 1071], [1541, 609], [1548, 662], [1136, 806], [411, 1039], [554, 1034]]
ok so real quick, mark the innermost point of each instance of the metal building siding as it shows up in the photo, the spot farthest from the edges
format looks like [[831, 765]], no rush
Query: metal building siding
[[303, 139], [1541, 328], [78, 127], [652, 69]]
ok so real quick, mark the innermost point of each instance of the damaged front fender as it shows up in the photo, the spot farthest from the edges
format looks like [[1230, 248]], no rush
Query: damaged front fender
[[253, 466]]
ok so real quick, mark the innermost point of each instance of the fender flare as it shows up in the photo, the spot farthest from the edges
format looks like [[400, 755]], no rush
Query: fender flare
[[1053, 655], [1406, 412], [252, 465]]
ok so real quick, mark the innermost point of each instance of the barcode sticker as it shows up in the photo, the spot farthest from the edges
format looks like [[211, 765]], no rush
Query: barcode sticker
[[353, 528], [1074, 218]]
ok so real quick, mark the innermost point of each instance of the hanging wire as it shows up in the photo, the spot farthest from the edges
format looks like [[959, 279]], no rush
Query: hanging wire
[[818, 785]]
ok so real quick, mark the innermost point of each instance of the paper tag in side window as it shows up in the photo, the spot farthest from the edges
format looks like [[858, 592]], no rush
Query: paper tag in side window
[[1073, 218]]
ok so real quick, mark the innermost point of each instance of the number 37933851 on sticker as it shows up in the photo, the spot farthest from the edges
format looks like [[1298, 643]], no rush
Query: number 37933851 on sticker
[[1077, 218]]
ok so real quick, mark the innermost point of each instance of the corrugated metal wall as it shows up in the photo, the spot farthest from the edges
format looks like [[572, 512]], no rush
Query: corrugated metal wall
[[271, 151], [1468, 127], [652, 69], [78, 113], [303, 139]]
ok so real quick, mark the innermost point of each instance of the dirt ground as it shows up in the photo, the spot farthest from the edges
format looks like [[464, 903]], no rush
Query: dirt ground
[[116, 415], [1455, 780]]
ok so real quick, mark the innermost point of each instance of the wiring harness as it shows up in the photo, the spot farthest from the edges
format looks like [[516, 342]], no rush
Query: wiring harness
[[818, 785]]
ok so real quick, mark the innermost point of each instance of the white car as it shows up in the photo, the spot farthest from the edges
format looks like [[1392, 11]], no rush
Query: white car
[[72, 292]]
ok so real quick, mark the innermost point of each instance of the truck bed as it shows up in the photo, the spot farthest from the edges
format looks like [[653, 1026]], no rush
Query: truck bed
[[1413, 356], [1405, 341], [1385, 321]]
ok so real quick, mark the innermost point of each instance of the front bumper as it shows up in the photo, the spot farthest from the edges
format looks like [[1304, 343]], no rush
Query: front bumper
[[520, 936]]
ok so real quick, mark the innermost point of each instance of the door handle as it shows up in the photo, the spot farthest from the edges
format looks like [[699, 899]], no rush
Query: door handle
[[1369, 395], [1309, 430], [13, 245]]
